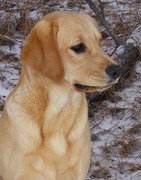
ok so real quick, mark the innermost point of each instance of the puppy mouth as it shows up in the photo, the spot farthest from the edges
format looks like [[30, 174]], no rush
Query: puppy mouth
[[90, 88], [87, 88], [80, 86]]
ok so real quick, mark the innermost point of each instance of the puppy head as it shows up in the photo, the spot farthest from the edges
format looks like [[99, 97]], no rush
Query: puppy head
[[86, 66], [66, 46]]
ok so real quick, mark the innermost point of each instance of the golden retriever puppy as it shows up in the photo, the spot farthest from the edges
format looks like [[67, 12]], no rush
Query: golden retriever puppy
[[44, 131]]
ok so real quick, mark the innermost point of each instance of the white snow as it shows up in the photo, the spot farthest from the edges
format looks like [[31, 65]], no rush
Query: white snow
[[111, 120]]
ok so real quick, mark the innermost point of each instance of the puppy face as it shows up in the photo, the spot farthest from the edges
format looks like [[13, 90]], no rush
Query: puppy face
[[86, 66], [67, 45]]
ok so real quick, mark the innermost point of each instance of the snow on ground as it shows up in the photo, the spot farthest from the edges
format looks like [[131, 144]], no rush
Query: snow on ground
[[115, 123], [114, 129]]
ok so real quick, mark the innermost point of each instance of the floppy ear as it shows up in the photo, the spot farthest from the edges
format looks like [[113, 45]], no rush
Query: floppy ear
[[41, 52]]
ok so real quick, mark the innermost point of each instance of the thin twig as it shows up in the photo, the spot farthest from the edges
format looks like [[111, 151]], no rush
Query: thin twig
[[101, 18]]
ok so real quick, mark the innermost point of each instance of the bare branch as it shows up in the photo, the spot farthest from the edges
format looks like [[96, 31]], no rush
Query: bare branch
[[101, 7], [102, 20]]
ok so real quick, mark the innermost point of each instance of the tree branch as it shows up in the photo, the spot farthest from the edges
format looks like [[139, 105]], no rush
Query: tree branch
[[101, 18]]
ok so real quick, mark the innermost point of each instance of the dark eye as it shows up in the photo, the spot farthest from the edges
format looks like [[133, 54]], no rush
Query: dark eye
[[79, 48]]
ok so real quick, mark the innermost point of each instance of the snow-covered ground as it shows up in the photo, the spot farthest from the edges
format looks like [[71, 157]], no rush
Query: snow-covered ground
[[116, 122]]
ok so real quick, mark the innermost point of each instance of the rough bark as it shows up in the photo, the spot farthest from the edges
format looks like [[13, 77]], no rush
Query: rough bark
[[127, 54]]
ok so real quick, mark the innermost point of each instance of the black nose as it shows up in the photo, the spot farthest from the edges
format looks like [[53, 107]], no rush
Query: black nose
[[113, 71]]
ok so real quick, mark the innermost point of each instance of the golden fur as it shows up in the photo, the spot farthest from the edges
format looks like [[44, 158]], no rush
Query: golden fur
[[44, 133]]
